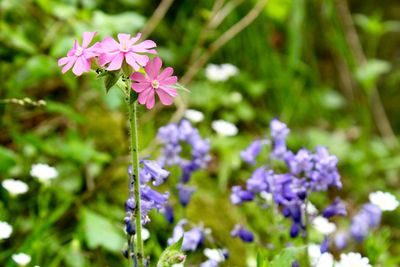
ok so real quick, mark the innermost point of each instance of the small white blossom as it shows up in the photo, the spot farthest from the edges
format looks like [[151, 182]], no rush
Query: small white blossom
[[214, 254], [236, 97], [5, 230], [220, 73], [353, 260], [15, 187], [194, 115], [311, 209], [145, 234], [224, 128], [317, 259], [323, 226], [384, 200], [43, 172], [268, 197], [21, 259]]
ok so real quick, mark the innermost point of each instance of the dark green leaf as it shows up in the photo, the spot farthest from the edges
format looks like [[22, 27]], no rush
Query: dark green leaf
[[110, 79]]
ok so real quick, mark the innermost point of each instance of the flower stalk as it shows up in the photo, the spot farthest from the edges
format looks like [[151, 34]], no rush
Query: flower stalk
[[135, 180]]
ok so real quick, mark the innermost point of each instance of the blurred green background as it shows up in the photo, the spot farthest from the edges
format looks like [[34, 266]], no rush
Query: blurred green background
[[330, 69]]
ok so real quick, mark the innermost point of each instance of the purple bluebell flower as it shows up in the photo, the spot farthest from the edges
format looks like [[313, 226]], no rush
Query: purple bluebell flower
[[155, 171], [301, 162], [250, 154], [192, 239], [279, 130], [209, 263], [238, 195], [294, 230], [336, 208], [368, 218], [340, 240], [169, 213], [185, 194], [258, 181], [324, 245], [242, 233]]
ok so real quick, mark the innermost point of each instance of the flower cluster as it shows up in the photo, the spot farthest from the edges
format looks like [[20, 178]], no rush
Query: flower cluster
[[128, 53], [150, 198], [307, 172], [173, 138]]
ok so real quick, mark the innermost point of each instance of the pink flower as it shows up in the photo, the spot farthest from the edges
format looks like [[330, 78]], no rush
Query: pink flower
[[114, 53], [154, 82], [80, 55]]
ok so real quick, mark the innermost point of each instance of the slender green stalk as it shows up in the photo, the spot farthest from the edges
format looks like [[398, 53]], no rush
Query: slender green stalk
[[135, 179]]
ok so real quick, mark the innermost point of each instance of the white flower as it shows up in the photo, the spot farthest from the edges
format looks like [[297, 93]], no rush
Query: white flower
[[317, 259], [353, 260], [311, 209], [268, 197], [323, 226], [43, 172], [220, 73], [224, 128], [194, 115], [5, 230], [385, 201], [15, 187], [325, 260], [214, 254], [145, 234], [21, 259]]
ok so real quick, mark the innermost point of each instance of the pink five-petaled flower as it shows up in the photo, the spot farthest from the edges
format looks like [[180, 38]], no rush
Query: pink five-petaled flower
[[154, 82], [80, 55], [114, 53]]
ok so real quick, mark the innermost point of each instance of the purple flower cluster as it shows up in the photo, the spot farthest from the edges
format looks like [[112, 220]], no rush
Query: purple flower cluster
[[174, 137], [150, 198], [307, 172]]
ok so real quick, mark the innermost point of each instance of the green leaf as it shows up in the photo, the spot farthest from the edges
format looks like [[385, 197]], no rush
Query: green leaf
[[286, 257], [172, 255], [261, 260], [111, 78], [100, 232]]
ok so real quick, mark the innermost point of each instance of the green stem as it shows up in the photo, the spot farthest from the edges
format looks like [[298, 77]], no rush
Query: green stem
[[136, 181]]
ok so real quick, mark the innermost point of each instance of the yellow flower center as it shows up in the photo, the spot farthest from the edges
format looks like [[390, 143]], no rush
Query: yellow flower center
[[78, 51], [124, 47], [155, 84]]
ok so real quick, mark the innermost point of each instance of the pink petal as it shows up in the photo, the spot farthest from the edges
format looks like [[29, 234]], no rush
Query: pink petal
[[144, 95], [140, 59], [109, 45], [144, 46], [153, 67], [134, 39], [131, 60], [123, 37], [106, 58], [150, 100], [139, 77], [165, 73], [170, 80], [71, 52], [165, 98], [81, 65], [69, 64], [139, 87], [87, 38], [62, 61], [171, 91], [116, 63], [76, 45]]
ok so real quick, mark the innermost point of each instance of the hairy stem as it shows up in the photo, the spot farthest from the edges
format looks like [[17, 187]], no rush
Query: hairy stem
[[135, 179]]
